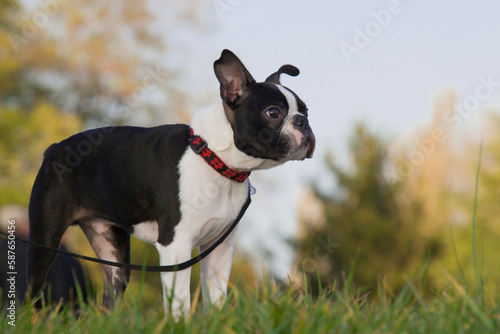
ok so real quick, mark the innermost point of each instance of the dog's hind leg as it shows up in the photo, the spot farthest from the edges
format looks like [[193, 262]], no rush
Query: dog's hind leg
[[48, 222], [39, 259], [110, 243]]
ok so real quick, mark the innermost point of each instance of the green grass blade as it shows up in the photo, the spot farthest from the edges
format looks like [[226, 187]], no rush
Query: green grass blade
[[474, 213], [459, 266]]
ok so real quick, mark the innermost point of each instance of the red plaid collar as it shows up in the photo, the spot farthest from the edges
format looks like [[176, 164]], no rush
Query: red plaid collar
[[200, 147]]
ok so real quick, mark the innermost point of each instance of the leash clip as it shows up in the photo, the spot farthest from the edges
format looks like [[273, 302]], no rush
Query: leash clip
[[251, 188]]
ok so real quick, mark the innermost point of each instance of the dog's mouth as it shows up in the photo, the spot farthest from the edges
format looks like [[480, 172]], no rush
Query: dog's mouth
[[311, 142]]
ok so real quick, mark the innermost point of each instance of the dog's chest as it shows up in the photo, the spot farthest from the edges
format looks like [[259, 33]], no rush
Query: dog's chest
[[209, 201]]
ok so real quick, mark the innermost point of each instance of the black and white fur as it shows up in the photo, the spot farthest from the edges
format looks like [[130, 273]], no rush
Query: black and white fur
[[120, 181]]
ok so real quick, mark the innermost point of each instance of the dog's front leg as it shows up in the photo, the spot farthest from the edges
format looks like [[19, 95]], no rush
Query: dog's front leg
[[176, 295], [215, 270]]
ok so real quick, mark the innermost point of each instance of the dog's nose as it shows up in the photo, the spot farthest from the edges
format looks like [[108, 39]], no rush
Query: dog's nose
[[301, 121]]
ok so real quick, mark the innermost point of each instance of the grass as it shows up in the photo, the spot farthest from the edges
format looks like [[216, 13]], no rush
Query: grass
[[272, 309]]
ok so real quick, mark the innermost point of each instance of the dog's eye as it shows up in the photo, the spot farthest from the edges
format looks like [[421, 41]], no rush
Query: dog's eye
[[273, 113]]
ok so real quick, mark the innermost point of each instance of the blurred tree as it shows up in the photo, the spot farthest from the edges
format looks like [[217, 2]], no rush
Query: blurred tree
[[10, 63], [101, 60], [442, 181], [433, 176], [22, 143], [363, 224]]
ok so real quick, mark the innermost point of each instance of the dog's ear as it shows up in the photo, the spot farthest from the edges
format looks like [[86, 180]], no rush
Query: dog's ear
[[287, 69], [235, 80]]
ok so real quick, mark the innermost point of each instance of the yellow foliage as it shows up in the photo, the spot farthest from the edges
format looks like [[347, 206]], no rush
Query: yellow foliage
[[49, 126], [24, 136]]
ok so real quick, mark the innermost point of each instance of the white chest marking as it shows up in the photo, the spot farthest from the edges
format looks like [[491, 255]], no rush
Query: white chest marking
[[209, 201]]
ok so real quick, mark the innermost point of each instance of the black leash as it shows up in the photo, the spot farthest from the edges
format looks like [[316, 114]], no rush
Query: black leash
[[175, 267]]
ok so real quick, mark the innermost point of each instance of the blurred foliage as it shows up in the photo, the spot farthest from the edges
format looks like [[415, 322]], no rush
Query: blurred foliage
[[407, 205], [23, 138], [364, 226], [104, 61]]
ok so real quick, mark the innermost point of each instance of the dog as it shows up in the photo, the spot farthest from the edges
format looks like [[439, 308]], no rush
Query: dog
[[176, 187]]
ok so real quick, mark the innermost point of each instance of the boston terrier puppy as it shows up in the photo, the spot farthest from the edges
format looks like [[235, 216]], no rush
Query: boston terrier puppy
[[176, 187]]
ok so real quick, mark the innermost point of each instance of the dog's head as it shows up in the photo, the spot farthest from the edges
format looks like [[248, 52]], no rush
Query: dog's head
[[269, 121]]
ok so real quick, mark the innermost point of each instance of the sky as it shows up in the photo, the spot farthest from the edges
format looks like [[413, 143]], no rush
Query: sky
[[381, 62]]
